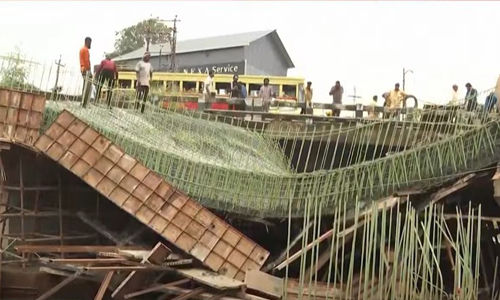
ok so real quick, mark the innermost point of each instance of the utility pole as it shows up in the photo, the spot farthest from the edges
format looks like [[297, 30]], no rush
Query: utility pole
[[159, 58], [354, 97], [59, 65], [404, 76], [173, 43], [148, 32]]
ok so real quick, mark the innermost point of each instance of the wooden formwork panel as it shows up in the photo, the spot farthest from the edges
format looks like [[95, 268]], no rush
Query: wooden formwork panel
[[145, 195], [21, 115]]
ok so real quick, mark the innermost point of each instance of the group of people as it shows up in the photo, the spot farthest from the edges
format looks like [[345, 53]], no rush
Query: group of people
[[107, 74], [238, 90], [470, 100], [393, 98]]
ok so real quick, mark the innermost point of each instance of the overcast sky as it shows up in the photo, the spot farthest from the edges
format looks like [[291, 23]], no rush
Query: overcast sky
[[361, 44]]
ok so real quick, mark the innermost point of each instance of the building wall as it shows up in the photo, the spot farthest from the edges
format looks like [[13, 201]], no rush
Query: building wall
[[263, 58], [218, 56]]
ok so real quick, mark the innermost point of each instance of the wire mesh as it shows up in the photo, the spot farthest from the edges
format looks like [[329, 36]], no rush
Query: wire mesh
[[252, 172]]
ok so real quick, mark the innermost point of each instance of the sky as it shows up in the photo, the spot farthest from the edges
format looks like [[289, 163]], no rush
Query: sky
[[365, 45]]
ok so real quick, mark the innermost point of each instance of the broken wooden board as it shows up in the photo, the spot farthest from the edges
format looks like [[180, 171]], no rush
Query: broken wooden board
[[211, 279], [135, 279], [145, 195], [316, 290], [264, 284], [71, 248], [21, 116]]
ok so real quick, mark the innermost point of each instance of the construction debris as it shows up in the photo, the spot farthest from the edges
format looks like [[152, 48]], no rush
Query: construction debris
[[79, 213]]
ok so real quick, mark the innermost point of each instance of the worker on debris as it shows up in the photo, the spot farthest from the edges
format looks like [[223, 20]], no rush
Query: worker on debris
[[470, 97], [266, 93], [106, 73], [144, 73], [394, 98], [490, 102], [454, 96], [207, 86], [371, 112], [85, 70], [336, 92], [243, 89], [235, 88], [308, 95]]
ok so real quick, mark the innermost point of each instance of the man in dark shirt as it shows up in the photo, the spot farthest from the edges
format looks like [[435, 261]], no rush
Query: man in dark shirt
[[235, 87], [106, 73], [236, 94], [471, 97]]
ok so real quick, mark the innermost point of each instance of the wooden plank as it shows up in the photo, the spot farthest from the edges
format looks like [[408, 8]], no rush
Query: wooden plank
[[458, 185], [145, 195], [70, 248], [48, 294], [207, 295], [156, 288], [190, 294], [104, 286], [262, 283], [85, 261], [322, 238], [214, 280], [98, 226], [134, 280], [283, 254]]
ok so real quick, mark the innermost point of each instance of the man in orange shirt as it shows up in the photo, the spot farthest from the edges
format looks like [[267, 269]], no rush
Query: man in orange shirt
[[85, 69]]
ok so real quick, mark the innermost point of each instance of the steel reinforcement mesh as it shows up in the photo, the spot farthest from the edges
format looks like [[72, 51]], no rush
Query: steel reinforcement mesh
[[232, 169]]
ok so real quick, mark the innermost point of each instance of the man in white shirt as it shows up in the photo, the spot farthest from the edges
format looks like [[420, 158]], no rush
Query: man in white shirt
[[454, 96], [371, 110], [144, 73], [207, 86], [266, 93]]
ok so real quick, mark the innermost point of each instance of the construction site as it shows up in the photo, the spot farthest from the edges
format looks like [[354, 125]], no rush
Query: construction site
[[110, 203]]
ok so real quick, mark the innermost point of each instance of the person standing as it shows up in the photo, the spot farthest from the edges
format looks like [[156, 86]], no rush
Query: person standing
[[207, 87], [454, 96], [85, 70], [235, 88], [108, 74], [308, 95], [336, 92], [371, 112], [243, 89], [470, 97], [266, 93], [144, 73], [490, 102], [393, 99]]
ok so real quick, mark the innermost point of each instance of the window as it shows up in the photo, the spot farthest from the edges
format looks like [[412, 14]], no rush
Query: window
[[124, 84], [289, 91], [156, 84], [173, 86], [223, 88], [189, 86]]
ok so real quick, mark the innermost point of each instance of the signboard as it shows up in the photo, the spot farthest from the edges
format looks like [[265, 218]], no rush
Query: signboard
[[224, 68]]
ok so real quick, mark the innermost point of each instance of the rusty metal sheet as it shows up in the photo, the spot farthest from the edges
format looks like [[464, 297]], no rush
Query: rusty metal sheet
[[145, 195], [21, 115]]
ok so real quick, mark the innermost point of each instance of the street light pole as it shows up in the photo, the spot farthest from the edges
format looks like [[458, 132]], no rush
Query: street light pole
[[404, 76], [159, 59]]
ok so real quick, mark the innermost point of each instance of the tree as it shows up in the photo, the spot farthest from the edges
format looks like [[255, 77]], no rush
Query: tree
[[136, 36], [14, 73]]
